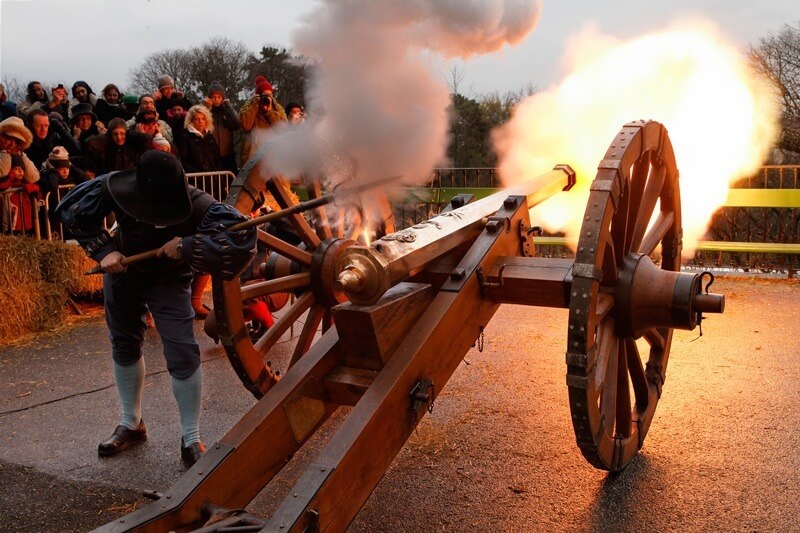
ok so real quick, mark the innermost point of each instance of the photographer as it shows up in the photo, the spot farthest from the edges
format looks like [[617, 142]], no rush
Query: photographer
[[257, 115]]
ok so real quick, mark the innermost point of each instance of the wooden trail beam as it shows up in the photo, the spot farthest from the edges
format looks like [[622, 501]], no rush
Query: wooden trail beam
[[335, 487]]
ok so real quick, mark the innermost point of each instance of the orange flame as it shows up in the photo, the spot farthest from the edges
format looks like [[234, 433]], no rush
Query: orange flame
[[722, 120]]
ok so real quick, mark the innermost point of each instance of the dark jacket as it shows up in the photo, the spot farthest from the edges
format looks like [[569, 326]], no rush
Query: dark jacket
[[199, 154], [163, 104], [105, 111], [109, 156], [206, 246], [58, 135]]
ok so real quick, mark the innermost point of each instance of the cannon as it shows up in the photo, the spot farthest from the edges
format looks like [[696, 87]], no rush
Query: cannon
[[385, 324]]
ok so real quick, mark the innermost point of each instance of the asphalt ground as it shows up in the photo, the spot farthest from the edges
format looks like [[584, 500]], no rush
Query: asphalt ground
[[497, 453]]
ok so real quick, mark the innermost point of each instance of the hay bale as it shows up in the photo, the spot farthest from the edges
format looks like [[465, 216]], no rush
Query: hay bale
[[19, 261], [31, 307], [65, 265]]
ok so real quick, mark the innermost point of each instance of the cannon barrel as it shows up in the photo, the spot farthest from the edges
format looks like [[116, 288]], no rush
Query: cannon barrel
[[364, 273]]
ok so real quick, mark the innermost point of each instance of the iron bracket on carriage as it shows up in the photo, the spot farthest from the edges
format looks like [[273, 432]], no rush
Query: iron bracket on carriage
[[382, 327]]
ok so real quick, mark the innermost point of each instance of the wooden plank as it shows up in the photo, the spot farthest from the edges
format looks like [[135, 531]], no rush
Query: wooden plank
[[255, 449], [345, 386], [356, 458], [372, 332], [538, 281]]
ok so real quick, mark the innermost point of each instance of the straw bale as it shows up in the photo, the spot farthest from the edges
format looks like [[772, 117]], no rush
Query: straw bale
[[31, 307], [65, 265], [19, 261]]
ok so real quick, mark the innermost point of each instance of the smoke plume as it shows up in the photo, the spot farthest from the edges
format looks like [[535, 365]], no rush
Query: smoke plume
[[380, 105]]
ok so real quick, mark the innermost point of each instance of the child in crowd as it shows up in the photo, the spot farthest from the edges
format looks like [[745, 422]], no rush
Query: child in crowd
[[19, 198]]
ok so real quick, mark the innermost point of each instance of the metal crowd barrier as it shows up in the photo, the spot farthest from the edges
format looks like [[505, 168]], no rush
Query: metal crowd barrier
[[19, 212], [17, 206]]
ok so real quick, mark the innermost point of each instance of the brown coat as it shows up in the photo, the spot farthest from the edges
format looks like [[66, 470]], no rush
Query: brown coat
[[254, 122]]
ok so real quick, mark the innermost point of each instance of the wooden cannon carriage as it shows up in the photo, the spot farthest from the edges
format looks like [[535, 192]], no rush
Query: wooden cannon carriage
[[385, 325]]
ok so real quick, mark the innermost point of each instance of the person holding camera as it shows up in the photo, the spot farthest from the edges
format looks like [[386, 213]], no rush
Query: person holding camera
[[257, 115]]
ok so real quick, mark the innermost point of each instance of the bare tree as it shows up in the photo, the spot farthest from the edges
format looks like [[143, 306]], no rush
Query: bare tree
[[225, 61], [777, 58], [454, 78], [176, 63]]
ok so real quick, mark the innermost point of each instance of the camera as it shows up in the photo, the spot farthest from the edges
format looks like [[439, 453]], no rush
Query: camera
[[265, 99]]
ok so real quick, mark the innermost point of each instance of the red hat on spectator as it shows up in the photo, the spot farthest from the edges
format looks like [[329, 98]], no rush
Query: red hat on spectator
[[262, 85]]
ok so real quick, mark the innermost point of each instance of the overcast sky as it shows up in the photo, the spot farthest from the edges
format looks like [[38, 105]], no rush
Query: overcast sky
[[101, 40]]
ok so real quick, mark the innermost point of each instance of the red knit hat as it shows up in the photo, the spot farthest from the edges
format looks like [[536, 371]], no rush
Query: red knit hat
[[262, 85]]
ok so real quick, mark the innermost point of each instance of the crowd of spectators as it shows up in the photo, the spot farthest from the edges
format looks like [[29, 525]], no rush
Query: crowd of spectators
[[71, 135]]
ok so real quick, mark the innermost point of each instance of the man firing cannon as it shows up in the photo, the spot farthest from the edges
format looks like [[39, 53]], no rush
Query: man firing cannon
[[155, 209]]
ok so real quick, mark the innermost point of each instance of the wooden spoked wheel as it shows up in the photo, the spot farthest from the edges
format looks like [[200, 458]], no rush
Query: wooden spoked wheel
[[614, 380], [300, 270]]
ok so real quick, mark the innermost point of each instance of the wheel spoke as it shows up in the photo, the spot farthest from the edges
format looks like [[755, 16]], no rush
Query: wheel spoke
[[606, 348], [327, 321], [605, 302], [284, 248], [650, 196], [280, 191], [610, 270], [639, 177], [656, 340], [657, 232], [353, 230], [623, 412], [608, 396], [322, 225], [638, 378], [262, 288], [306, 337], [274, 333]]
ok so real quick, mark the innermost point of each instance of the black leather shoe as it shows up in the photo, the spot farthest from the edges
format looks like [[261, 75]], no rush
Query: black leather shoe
[[191, 453], [122, 439]]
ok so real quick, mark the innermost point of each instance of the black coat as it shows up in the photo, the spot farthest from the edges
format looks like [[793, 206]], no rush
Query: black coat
[[105, 111], [57, 136], [108, 156], [199, 154]]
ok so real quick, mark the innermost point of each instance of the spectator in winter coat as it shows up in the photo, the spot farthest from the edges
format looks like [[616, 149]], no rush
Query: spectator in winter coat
[[19, 173], [58, 171], [7, 107], [257, 115], [118, 148], [110, 105], [225, 123], [197, 148], [81, 94], [17, 209], [48, 132], [146, 102], [35, 99], [14, 139], [166, 96], [85, 124]]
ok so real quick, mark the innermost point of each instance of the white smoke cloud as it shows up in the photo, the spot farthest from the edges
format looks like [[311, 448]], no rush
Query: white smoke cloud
[[381, 106]]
